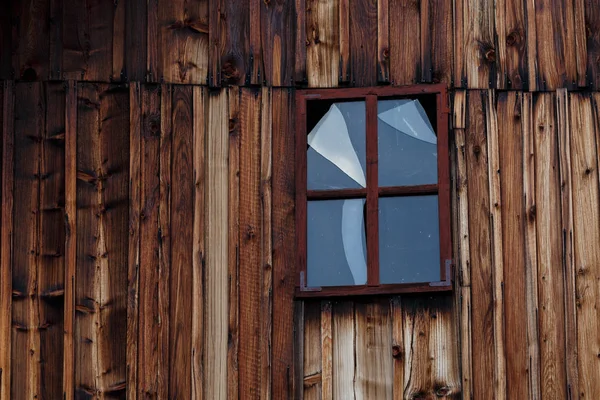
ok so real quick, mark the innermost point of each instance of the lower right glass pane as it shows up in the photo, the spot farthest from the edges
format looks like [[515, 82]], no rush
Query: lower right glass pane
[[409, 239]]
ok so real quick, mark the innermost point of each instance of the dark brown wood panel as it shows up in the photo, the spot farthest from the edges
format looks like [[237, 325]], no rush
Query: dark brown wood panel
[[135, 38], [30, 44], [363, 42], [278, 41], [234, 33], [181, 232], [405, 46], [592, 31], [512, 44]]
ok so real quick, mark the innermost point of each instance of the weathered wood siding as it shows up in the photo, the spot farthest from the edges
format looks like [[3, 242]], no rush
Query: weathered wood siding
[[147, 189]]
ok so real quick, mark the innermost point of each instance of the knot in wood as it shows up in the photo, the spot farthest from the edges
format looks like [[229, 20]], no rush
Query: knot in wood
[[517, 81], [386, 52], [490, 55], [476, 149], [513, 38], [397, 352]]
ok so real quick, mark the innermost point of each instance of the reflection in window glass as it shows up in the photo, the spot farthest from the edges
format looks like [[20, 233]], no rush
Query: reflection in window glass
[[336, 247], [337, 148], [409, 248], [407, 144]]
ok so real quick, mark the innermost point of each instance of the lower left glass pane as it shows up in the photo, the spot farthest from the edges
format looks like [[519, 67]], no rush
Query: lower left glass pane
[[336, 243]]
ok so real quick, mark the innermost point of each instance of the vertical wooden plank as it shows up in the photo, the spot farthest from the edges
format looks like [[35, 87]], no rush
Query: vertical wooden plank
[[135, 198], [6, 236], [164, 235], [512, 41], [283, 244], [556, 44], [363, 42], [568, 261], [182, 213], [592, 26], [546, 214], [102, 192], [322, 41], [479, 58], [531, 260], [510, 152], [343, 350], [28, 128], [383, 40], [298, 379], [198, 252], [6, 70], [443, 350], [577, 12], [532, 60], [459, 73], [326, 351], [266, 269], [301, 42], [70, 239], [119, 42], [31, 40], [405, 49], [136, 40], [182, 30], [255, 69], [250, 243], [87, 41], [496, 243], [277, 30], [312, 351], [216, 314], [374, 367], [214, 43], [417, 363], [345, 69], [398, 349], [51, 274], [586, 229], [233, 236], [440, 17], [479, 241], [55, 37], [235, 43], [426, 48], [148, 175]]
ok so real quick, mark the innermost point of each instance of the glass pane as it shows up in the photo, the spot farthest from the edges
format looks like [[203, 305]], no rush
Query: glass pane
[[336, 154], [409, 247], [407, 144], [336, 245]]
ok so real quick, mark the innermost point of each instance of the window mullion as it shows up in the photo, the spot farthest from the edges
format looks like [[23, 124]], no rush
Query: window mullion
[[372, 193]]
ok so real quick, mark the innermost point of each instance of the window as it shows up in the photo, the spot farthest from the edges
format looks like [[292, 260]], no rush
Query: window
[[372, 191]]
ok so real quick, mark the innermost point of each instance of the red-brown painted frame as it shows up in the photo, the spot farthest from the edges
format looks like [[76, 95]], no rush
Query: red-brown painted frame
[[372, 192]]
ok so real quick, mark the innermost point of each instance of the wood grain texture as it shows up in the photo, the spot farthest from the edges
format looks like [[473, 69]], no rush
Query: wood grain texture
[[592, 34], [101, 287], [344, 347], [71, 113], [283, 244], [181, 31], [383, 41], [586, 229], [199, 240], [512, 44], [312, 361], [6, 68], [149, 148], [278, 30], [344, 22], [417, 364], [133, 262], [363, 42], [530, 236], [136, 41], [181, 220], [87, 41], [374, 362], [326, 351], [479, 64], [479, 238], [118, 42], [255, 69], [234, 43], [510, 151], [216, 308], [568, 262], [322, 43], [266, 285], [251, 239], [405, 51], [51, 276], [30, 39], [546, 215], [441, 48], [25, 348], [233, 236], [398, 347]]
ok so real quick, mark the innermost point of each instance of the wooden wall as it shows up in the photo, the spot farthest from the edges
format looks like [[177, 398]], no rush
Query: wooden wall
[[147, 197]]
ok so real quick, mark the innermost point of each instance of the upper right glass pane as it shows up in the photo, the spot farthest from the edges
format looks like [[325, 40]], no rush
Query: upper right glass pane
[[407, 144]]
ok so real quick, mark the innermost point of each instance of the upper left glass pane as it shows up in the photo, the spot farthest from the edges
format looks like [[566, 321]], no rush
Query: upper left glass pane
[[336, 151]]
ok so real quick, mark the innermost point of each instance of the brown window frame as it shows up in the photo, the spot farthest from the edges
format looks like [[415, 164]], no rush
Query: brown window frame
[[372, 192]]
